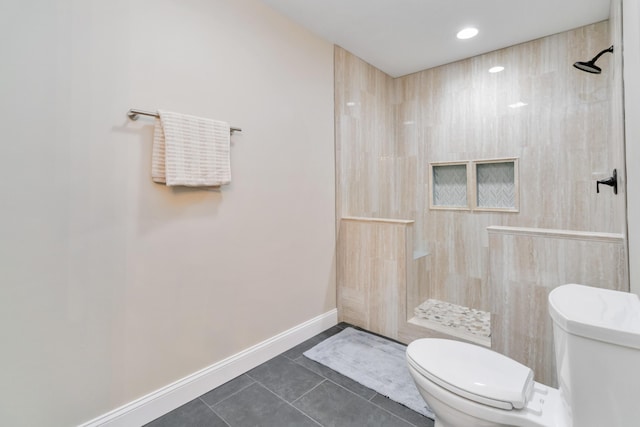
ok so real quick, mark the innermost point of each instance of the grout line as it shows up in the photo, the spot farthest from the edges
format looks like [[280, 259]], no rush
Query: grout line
[[377, 406], [324, 379], [351, 391], [211, 407], [334, 382], [232, 394], [405, 420], [220, 416], [296, 409], [375, 393], [213, 410], [309, 369], [292, 359], [395, 415], [309, 391]]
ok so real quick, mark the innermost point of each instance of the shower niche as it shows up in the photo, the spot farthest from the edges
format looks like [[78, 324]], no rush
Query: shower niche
[[475, 185], [469, 187]]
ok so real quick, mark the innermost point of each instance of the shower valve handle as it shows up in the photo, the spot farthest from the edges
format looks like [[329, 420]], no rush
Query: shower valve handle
[[612, 181]]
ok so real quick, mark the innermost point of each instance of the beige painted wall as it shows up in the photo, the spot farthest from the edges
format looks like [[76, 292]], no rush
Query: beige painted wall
[[563, 138], [112, 286]]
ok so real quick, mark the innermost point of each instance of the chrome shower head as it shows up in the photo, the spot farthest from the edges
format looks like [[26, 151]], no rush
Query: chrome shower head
[[590, 66]]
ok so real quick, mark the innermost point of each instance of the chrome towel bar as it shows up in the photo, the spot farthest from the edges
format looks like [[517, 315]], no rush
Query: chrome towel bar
[[134, 113]]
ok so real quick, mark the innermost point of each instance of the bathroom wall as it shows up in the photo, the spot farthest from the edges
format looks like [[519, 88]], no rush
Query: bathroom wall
[[113, 286], [368, 178], [374, 265], [631, 39], [562, 136], [617, 149], [525, 265]]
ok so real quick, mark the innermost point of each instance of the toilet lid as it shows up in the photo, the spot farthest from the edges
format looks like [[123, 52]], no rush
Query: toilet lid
[[473, 372]]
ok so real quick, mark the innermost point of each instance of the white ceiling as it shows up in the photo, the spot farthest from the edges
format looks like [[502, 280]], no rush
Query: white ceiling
[[404, 36]]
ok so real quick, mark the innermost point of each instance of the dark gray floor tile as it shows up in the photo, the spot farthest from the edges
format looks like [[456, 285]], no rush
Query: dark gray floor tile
[[257, 406], [332, 405], [285, 378], [226, 390], [258, 398], [297, 351], [402, 411], [192, 414], [336, 377]]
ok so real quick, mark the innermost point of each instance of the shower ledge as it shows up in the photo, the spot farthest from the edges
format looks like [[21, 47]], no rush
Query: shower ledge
[[454, 320]]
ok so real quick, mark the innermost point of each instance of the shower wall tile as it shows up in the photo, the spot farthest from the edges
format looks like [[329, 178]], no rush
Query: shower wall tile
[[615, 153], [372, 271], [378, 274], [366, 146], [524, 266], [567, 135], [420, 289]]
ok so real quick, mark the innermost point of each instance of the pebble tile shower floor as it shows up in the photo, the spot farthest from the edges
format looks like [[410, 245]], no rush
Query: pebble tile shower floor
[[291, 390], [465, 319]]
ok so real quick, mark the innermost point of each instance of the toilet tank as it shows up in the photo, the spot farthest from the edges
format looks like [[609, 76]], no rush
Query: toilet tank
[[597, 346]]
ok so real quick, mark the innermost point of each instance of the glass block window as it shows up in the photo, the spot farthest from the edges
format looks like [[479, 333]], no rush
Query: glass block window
[[496, 185], [449, 185]]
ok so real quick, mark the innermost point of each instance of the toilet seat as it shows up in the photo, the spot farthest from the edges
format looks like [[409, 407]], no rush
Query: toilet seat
[[472, 372]]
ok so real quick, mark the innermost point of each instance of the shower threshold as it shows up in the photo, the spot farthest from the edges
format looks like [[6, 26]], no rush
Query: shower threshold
[[456, 320]]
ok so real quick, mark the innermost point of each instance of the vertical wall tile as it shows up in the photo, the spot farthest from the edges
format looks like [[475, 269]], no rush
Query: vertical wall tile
[[524, 266], [567, 135]]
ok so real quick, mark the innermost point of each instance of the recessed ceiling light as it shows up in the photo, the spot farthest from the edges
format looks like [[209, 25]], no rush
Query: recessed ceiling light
[[351, 104], [496, 69], [467, 33], [518, 104]]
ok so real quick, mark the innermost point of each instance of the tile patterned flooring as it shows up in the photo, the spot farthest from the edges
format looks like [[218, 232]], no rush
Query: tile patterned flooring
[[291, 390]]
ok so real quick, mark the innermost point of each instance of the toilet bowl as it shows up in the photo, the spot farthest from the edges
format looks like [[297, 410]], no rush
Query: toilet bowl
[[468, 385], [597, 347]]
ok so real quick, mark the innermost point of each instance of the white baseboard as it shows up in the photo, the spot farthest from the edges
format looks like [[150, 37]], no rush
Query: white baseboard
[[159, 402]]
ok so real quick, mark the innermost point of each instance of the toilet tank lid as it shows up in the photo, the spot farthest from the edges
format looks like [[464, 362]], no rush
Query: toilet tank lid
[[473, 372], [596, 313]]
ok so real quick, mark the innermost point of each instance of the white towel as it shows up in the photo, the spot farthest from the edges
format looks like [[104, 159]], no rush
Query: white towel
[[190, 151]]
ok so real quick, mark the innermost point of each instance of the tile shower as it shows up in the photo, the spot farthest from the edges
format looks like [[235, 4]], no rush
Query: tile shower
[[450, 270]]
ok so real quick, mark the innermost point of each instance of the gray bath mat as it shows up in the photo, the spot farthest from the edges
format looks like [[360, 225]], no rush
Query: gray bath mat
[[374, 362]]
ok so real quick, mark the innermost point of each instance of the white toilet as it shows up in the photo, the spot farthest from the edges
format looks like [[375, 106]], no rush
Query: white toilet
[[597, 346]]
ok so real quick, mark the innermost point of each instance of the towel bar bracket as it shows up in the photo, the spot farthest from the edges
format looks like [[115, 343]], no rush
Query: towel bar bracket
[[134, 114]]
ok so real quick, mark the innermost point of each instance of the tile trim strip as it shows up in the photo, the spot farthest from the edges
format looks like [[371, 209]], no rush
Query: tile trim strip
[[558, 234], [389, 220]]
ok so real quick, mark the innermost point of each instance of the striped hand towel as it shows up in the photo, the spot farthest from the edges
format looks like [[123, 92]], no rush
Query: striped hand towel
[[190, 151]]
